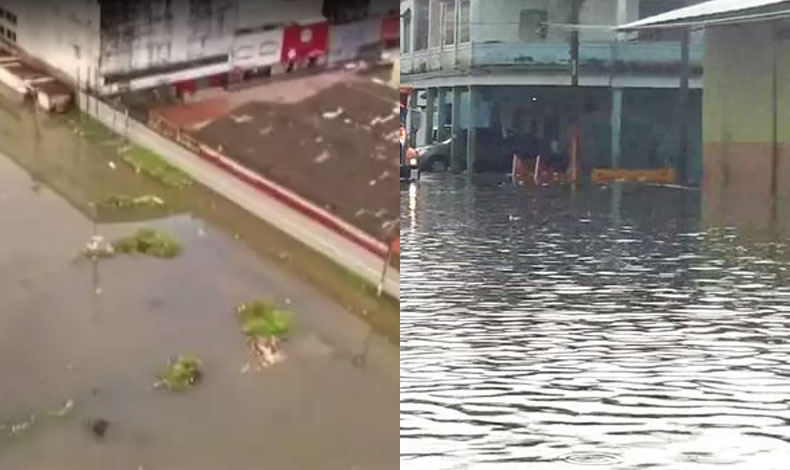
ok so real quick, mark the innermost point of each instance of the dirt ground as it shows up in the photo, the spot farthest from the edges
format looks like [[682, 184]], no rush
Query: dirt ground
[[330, 138]]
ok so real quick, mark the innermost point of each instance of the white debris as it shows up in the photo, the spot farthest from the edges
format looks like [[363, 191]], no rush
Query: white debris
[[384, 175], [381, 119], [323, 157], [238, 119], [112, 165], [372, 183], [347, 120], [266, 130], [393, 136], [378, 81], [332, 114], [319, 139], [245, 368]]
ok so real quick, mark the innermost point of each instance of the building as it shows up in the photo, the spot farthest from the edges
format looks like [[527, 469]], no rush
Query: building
[[119, 45], [508, 65], [746, 105]]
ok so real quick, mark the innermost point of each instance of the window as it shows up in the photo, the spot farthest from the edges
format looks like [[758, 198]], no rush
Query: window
[[447, 21], [532, 25], [406, 38], [420, 25], [11, 35], [463, 22], [10, 17]]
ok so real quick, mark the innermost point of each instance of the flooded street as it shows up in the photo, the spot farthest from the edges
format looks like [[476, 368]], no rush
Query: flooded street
[[96, 335], [545, 329]]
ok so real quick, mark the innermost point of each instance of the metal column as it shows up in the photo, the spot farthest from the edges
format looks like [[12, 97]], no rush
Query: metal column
[[617, 125], [455, 159], [471, 136], [430, 109], [683, 122], [441, 115]]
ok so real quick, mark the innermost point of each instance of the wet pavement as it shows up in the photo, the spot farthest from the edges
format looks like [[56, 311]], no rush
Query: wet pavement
[[546, 329], [97, 334]]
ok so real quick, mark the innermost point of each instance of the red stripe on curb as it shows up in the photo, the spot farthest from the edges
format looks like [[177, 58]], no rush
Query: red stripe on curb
[[268, 188]]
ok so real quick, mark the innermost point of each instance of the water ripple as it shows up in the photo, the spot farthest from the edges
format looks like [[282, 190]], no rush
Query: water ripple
[[637, 339]]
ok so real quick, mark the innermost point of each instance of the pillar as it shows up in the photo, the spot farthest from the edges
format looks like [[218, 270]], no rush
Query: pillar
[[683, 100], [430, 109], [471, 139], [410, 117], [617, 126], [441, 115], [455, 149]]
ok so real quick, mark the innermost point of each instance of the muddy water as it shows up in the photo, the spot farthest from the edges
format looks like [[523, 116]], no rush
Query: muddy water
[[617, 327], [97, 333]]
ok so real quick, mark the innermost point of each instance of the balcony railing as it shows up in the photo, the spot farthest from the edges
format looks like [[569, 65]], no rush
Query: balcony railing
[[621, 57]]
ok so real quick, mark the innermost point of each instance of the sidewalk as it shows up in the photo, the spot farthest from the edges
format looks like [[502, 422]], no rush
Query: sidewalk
[[232, 185]]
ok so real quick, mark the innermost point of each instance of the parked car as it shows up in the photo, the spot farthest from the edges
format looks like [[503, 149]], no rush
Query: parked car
[[434, 157]]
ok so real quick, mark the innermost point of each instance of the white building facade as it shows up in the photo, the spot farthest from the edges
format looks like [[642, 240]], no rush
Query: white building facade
[[117, 45], [509, 64]]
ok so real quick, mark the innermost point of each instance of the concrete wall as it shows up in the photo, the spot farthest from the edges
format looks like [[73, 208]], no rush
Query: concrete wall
[[746, 118], [66, 33]]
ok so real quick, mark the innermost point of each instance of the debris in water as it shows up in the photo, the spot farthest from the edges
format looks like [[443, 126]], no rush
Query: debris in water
[[323, 157], [149, 242], [381, 120], [112, 165], [97, 248], [372, 183], [245, 368], [65, 410], [98, 427], [125, 202], [265, 326], [332, 114], [238, 119], [22, 427], [182, 373]]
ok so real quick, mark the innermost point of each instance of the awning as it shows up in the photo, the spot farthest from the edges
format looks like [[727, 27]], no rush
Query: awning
[[725, 10]]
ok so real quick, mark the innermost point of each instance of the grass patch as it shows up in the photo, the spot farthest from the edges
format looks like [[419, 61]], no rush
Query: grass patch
[[141, 159], [128, 202], [149, 163], [182, 373], [262, 318], [149, 242]]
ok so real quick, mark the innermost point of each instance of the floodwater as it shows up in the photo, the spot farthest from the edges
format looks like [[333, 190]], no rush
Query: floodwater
[[548, 329], [95, 335]]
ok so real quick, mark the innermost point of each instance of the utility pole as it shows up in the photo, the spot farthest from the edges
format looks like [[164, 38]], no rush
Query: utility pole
[[576, 6]]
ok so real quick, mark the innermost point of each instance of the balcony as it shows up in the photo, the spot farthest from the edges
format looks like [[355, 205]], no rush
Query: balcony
[[637, 57]]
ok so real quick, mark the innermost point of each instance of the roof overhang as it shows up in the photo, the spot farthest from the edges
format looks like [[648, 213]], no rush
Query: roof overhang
[[715, 12]]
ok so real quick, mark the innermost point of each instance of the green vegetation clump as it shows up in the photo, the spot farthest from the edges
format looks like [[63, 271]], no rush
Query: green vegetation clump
[[149, 242], [182, 373], [149, 163], [128, 202], [262, 318]]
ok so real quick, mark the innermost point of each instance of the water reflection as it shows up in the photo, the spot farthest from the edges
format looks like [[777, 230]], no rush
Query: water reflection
[[607, 327]]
